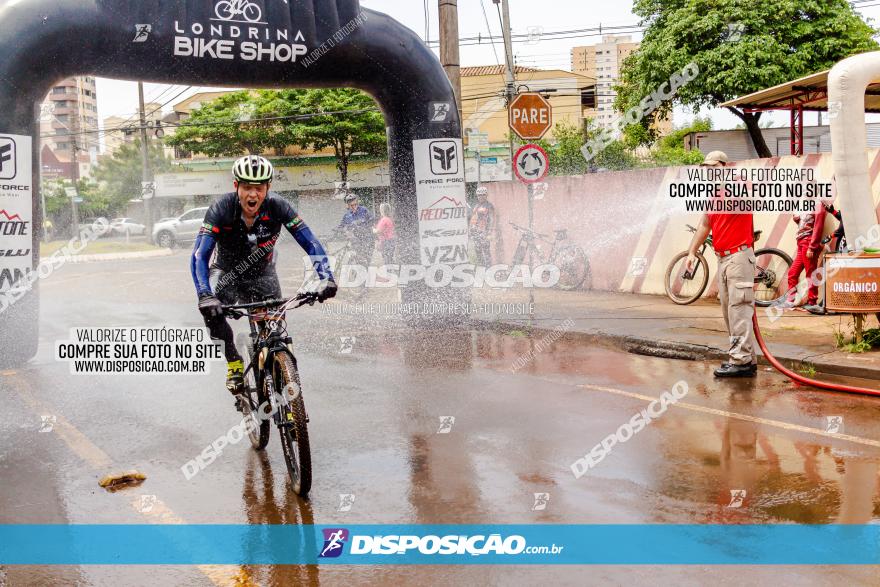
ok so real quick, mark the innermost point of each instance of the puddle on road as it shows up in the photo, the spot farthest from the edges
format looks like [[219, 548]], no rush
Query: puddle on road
[[717, 469]]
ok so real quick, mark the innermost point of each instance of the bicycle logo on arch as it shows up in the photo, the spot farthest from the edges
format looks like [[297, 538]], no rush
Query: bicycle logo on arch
[[228, 10]]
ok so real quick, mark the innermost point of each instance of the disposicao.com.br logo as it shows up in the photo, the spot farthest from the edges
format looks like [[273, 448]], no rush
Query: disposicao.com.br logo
[[429, 544]]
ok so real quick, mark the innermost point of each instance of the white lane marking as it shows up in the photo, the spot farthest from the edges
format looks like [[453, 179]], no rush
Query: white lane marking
[[738, 416], [160, 513]]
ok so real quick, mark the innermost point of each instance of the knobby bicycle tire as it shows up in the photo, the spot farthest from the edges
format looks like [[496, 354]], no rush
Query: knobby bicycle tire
[[294, 432]]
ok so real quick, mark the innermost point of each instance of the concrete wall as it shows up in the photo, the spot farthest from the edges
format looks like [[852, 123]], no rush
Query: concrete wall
[[618, 216]]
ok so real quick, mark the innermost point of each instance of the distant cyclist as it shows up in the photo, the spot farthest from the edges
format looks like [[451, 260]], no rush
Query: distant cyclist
[[482, 225], [357, 224], [244, 226]]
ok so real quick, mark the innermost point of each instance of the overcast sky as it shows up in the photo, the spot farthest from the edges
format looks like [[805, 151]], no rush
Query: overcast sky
[[120, 97]]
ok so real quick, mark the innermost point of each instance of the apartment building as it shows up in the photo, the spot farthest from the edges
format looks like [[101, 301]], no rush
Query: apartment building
[[604, 61], [68, 127]]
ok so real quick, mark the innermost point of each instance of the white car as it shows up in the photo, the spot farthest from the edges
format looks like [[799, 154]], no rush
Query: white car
[[126, 227], [182, 229]]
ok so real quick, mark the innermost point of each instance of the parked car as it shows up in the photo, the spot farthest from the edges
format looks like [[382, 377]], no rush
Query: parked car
[[126, 227], [86, 225], [182, 229]]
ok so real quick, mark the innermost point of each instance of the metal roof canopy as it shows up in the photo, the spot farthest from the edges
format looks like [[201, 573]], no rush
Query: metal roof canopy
[[808, 93]]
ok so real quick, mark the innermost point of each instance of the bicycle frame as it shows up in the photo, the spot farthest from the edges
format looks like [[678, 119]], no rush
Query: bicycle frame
[[269, 337], [527, 243], [265, 349]]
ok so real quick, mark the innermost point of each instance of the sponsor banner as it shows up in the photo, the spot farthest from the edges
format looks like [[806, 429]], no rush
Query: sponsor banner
[[310, 177], [16, 210], [443, 210], [237, 30], [517, 544]]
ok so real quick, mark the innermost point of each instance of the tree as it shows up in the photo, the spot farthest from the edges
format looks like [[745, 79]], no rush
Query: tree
[[740, 46], [119, 176], [361, 131], [669, 149], [256, 122], [231, 125]]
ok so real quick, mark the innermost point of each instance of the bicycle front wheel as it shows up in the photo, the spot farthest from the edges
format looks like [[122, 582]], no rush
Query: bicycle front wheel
[[771, 276], [682, 290], [254, 399], [294, 424]]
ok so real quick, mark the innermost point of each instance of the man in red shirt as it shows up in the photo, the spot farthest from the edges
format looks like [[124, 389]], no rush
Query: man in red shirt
[[733, 240]]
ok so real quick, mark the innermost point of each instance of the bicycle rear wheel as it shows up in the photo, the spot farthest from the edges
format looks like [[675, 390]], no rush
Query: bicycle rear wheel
[[253, 398], [294, 424], [574, 268], [686, 291], [771, 276]]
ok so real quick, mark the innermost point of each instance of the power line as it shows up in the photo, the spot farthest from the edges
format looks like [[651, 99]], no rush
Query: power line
[[229, 122], [489, 30]]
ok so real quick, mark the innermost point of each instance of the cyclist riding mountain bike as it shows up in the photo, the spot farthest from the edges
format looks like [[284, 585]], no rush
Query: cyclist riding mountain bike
[[482, 225], [244, 226], [357, 224]]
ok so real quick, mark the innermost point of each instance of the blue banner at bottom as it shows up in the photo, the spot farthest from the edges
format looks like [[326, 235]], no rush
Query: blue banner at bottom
[[440, 544]]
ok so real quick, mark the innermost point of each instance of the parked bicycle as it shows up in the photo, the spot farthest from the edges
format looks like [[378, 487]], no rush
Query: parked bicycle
[[573, 264], [271, 384], [771, 275]]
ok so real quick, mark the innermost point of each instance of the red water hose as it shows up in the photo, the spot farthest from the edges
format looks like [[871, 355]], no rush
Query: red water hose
[[800, 378]]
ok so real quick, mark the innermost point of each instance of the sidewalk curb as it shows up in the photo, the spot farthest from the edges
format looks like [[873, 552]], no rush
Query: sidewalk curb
[[667, 349], [120, 256]]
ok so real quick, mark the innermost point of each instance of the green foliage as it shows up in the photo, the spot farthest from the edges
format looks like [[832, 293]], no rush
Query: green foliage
[[565, 154], [115, 181], [869, 339], [617, 155], [362, 131], [807, 369], [219, 128], [780, 40], [120, 175], [669, 149], [257, 122]]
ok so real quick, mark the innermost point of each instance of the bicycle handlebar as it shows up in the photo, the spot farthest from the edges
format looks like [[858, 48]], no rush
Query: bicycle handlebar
[[240, 310], [523, 229]]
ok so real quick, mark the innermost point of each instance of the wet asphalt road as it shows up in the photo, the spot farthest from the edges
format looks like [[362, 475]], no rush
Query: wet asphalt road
[[375, 413]]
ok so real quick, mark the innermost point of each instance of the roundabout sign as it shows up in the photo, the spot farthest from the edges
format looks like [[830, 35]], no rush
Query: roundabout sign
[[531, 164]]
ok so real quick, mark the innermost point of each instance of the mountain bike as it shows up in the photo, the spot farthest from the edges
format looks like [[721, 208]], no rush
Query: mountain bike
[[574, 267], [771, 275], [271, 384], [229, 9]]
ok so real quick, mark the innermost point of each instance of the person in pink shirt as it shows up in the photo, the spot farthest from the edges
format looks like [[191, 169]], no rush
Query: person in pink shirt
[[384, 231], [809, 247]]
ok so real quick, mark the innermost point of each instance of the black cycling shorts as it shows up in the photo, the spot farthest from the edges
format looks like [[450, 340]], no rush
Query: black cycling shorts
[[231, 288]]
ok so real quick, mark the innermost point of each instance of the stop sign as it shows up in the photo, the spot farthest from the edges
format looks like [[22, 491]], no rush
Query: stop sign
[[531, 116]]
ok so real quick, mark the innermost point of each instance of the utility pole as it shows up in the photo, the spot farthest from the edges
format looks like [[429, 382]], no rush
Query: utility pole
[[510, 77], [75, 150], [449, 50], [145, 156]]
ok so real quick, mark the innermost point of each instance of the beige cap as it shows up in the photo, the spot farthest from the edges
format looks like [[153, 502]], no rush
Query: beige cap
[[715, 157]]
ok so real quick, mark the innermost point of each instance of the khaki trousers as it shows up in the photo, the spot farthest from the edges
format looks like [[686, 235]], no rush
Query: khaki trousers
[[736, 282]]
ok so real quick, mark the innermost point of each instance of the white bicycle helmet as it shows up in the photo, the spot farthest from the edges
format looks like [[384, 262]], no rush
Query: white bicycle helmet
[[253, 169]]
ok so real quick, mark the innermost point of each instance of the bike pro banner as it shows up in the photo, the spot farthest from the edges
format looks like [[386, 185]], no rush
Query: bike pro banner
[[440, 191]]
